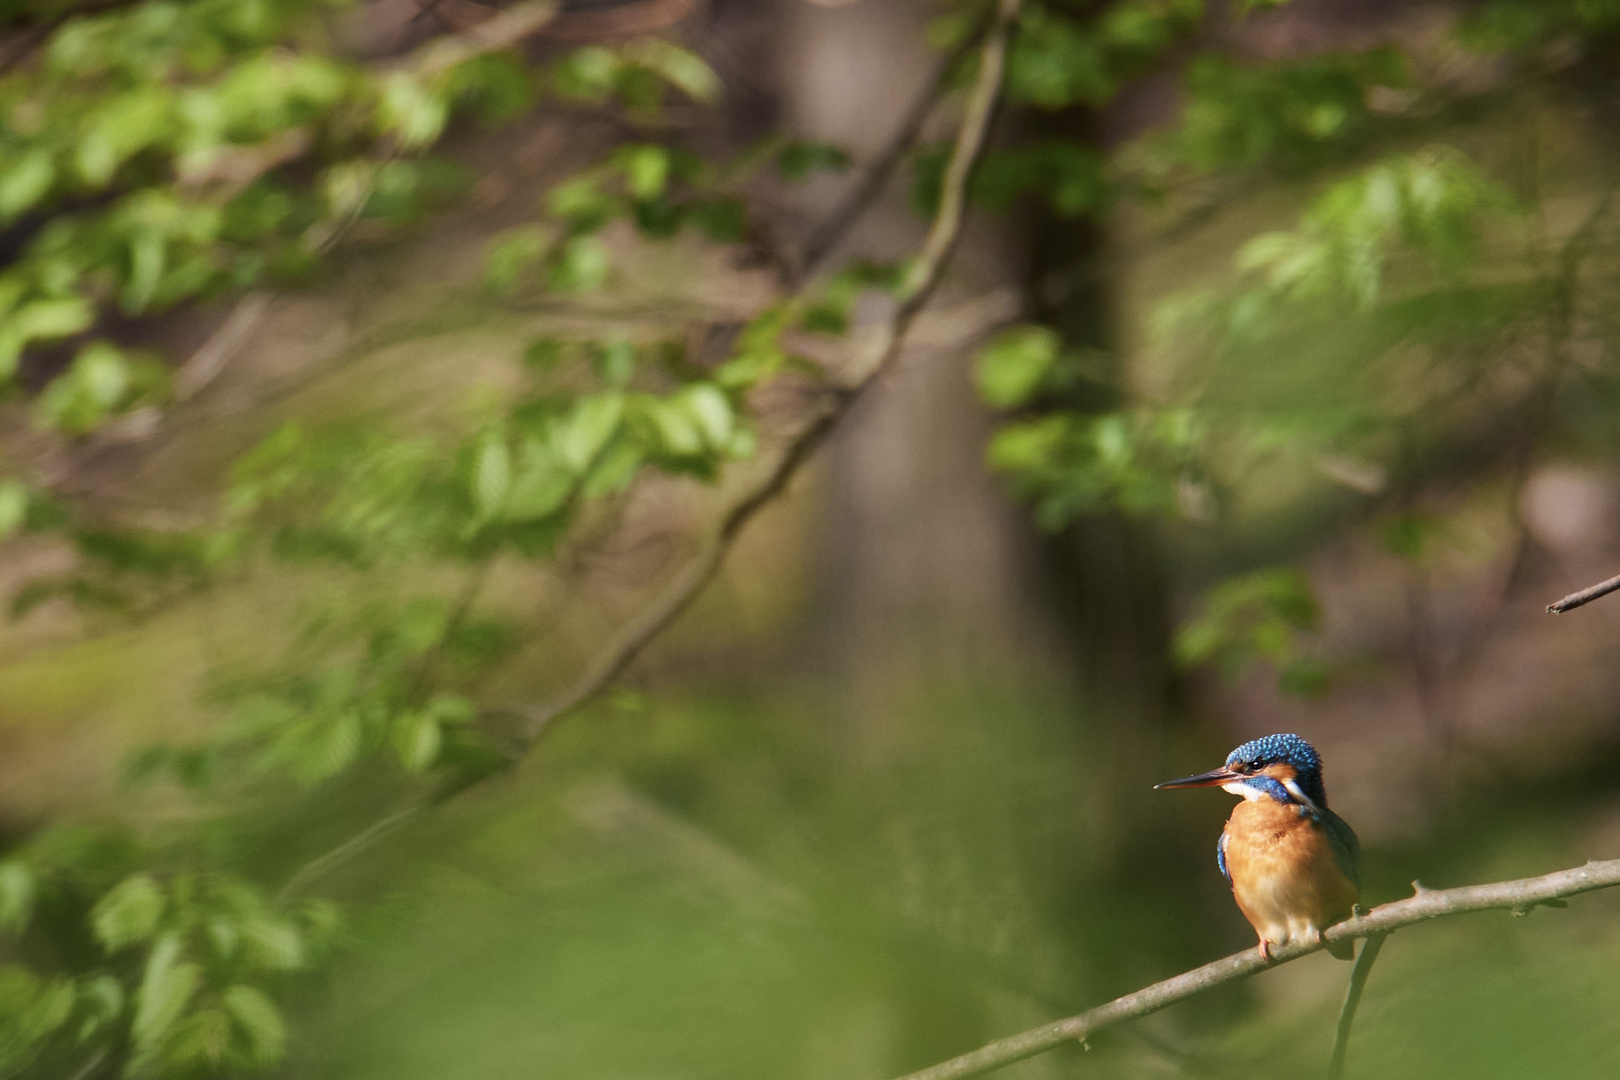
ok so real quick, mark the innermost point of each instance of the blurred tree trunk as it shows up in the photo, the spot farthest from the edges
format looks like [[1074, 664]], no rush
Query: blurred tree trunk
[[1105, 580]]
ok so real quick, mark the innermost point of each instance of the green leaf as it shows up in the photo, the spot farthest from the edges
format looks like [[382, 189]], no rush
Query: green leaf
[[1009, 370], [417, 738], [541, 487], [409, 111], [615, 362], [45, 319], [13, 506], [678, 430], [101, 1000], [613, 471], [329, 747], [801, 158], [32, 1009], [513, 254], [581, 435], [272, 943], [17, 889], [586, 74], [24, 183], [201, 1040], [646, 169], [684, 70], [581, 264], [711, 409], [259, 1021], [491, 474], [129, 913], [167, 986], [92, 388]]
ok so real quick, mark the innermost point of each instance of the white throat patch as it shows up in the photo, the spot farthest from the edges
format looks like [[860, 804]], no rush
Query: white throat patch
[[1253, 794], [1293, 789]]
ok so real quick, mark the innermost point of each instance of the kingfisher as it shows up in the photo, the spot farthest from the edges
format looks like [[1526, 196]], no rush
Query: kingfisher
[[1293, 864]]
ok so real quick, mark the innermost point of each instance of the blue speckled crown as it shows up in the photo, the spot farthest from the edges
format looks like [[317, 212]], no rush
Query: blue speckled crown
[[1291, 750]]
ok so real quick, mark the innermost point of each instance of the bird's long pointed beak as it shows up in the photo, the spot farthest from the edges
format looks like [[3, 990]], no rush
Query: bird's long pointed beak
[[1213, 778]]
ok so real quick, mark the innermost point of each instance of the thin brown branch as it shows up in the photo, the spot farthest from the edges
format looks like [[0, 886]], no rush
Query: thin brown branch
[[1352, 1001], [875, 177], [502, 31], [317, 867], [921, 278], [222, 346], [1585, 596], [1517, 896]]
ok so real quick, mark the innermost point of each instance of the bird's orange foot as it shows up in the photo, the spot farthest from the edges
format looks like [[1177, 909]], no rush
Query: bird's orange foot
[[1320, 940], [1265, 950]]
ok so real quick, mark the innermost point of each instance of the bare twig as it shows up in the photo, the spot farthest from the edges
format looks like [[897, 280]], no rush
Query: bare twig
[[1516, 896], [643, 17], [1352, 1001], [94, 1062], [875, 177], [222, 345], [1585, 596], [360, 841], [501, 31]]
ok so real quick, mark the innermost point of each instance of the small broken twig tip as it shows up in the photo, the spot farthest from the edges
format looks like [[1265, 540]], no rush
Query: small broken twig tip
[[1585, 596]]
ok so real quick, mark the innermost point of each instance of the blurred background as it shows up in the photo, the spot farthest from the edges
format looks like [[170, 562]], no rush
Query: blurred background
[[372, 367]]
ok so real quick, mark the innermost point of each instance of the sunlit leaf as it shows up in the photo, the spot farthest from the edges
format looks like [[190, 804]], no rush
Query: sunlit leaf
[[683, 69], [128, 914], [168, 983], [417, 738], [409, 111], [13, 506], [712, 411], [1010, 368], [24, 182], [491, 474], [259, 1020], [582, 434], [17, 890]]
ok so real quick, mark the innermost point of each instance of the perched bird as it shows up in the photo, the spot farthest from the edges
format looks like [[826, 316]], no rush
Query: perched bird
[[1293, 864]]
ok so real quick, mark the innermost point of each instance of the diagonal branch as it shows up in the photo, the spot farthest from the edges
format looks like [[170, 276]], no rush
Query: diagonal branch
[[921, 277], [1518, 897], [875, 177]]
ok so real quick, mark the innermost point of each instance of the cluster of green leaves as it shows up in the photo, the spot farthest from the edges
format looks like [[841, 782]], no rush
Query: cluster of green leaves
[[1065, 54], [177, 965], [1337, 346], [1265, 615], [659, 190], [1526, 26], [381, 679], [1292, 117], [160, 152]]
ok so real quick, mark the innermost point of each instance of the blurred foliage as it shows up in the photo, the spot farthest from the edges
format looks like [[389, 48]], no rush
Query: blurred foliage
[[1421, 291], [156, 153]]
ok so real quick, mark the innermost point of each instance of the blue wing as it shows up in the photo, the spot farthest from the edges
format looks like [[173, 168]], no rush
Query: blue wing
[[1220, 857], [1346, 848]]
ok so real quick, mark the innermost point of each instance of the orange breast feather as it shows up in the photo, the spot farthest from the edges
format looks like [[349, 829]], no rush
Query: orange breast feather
[[1284, 875]]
